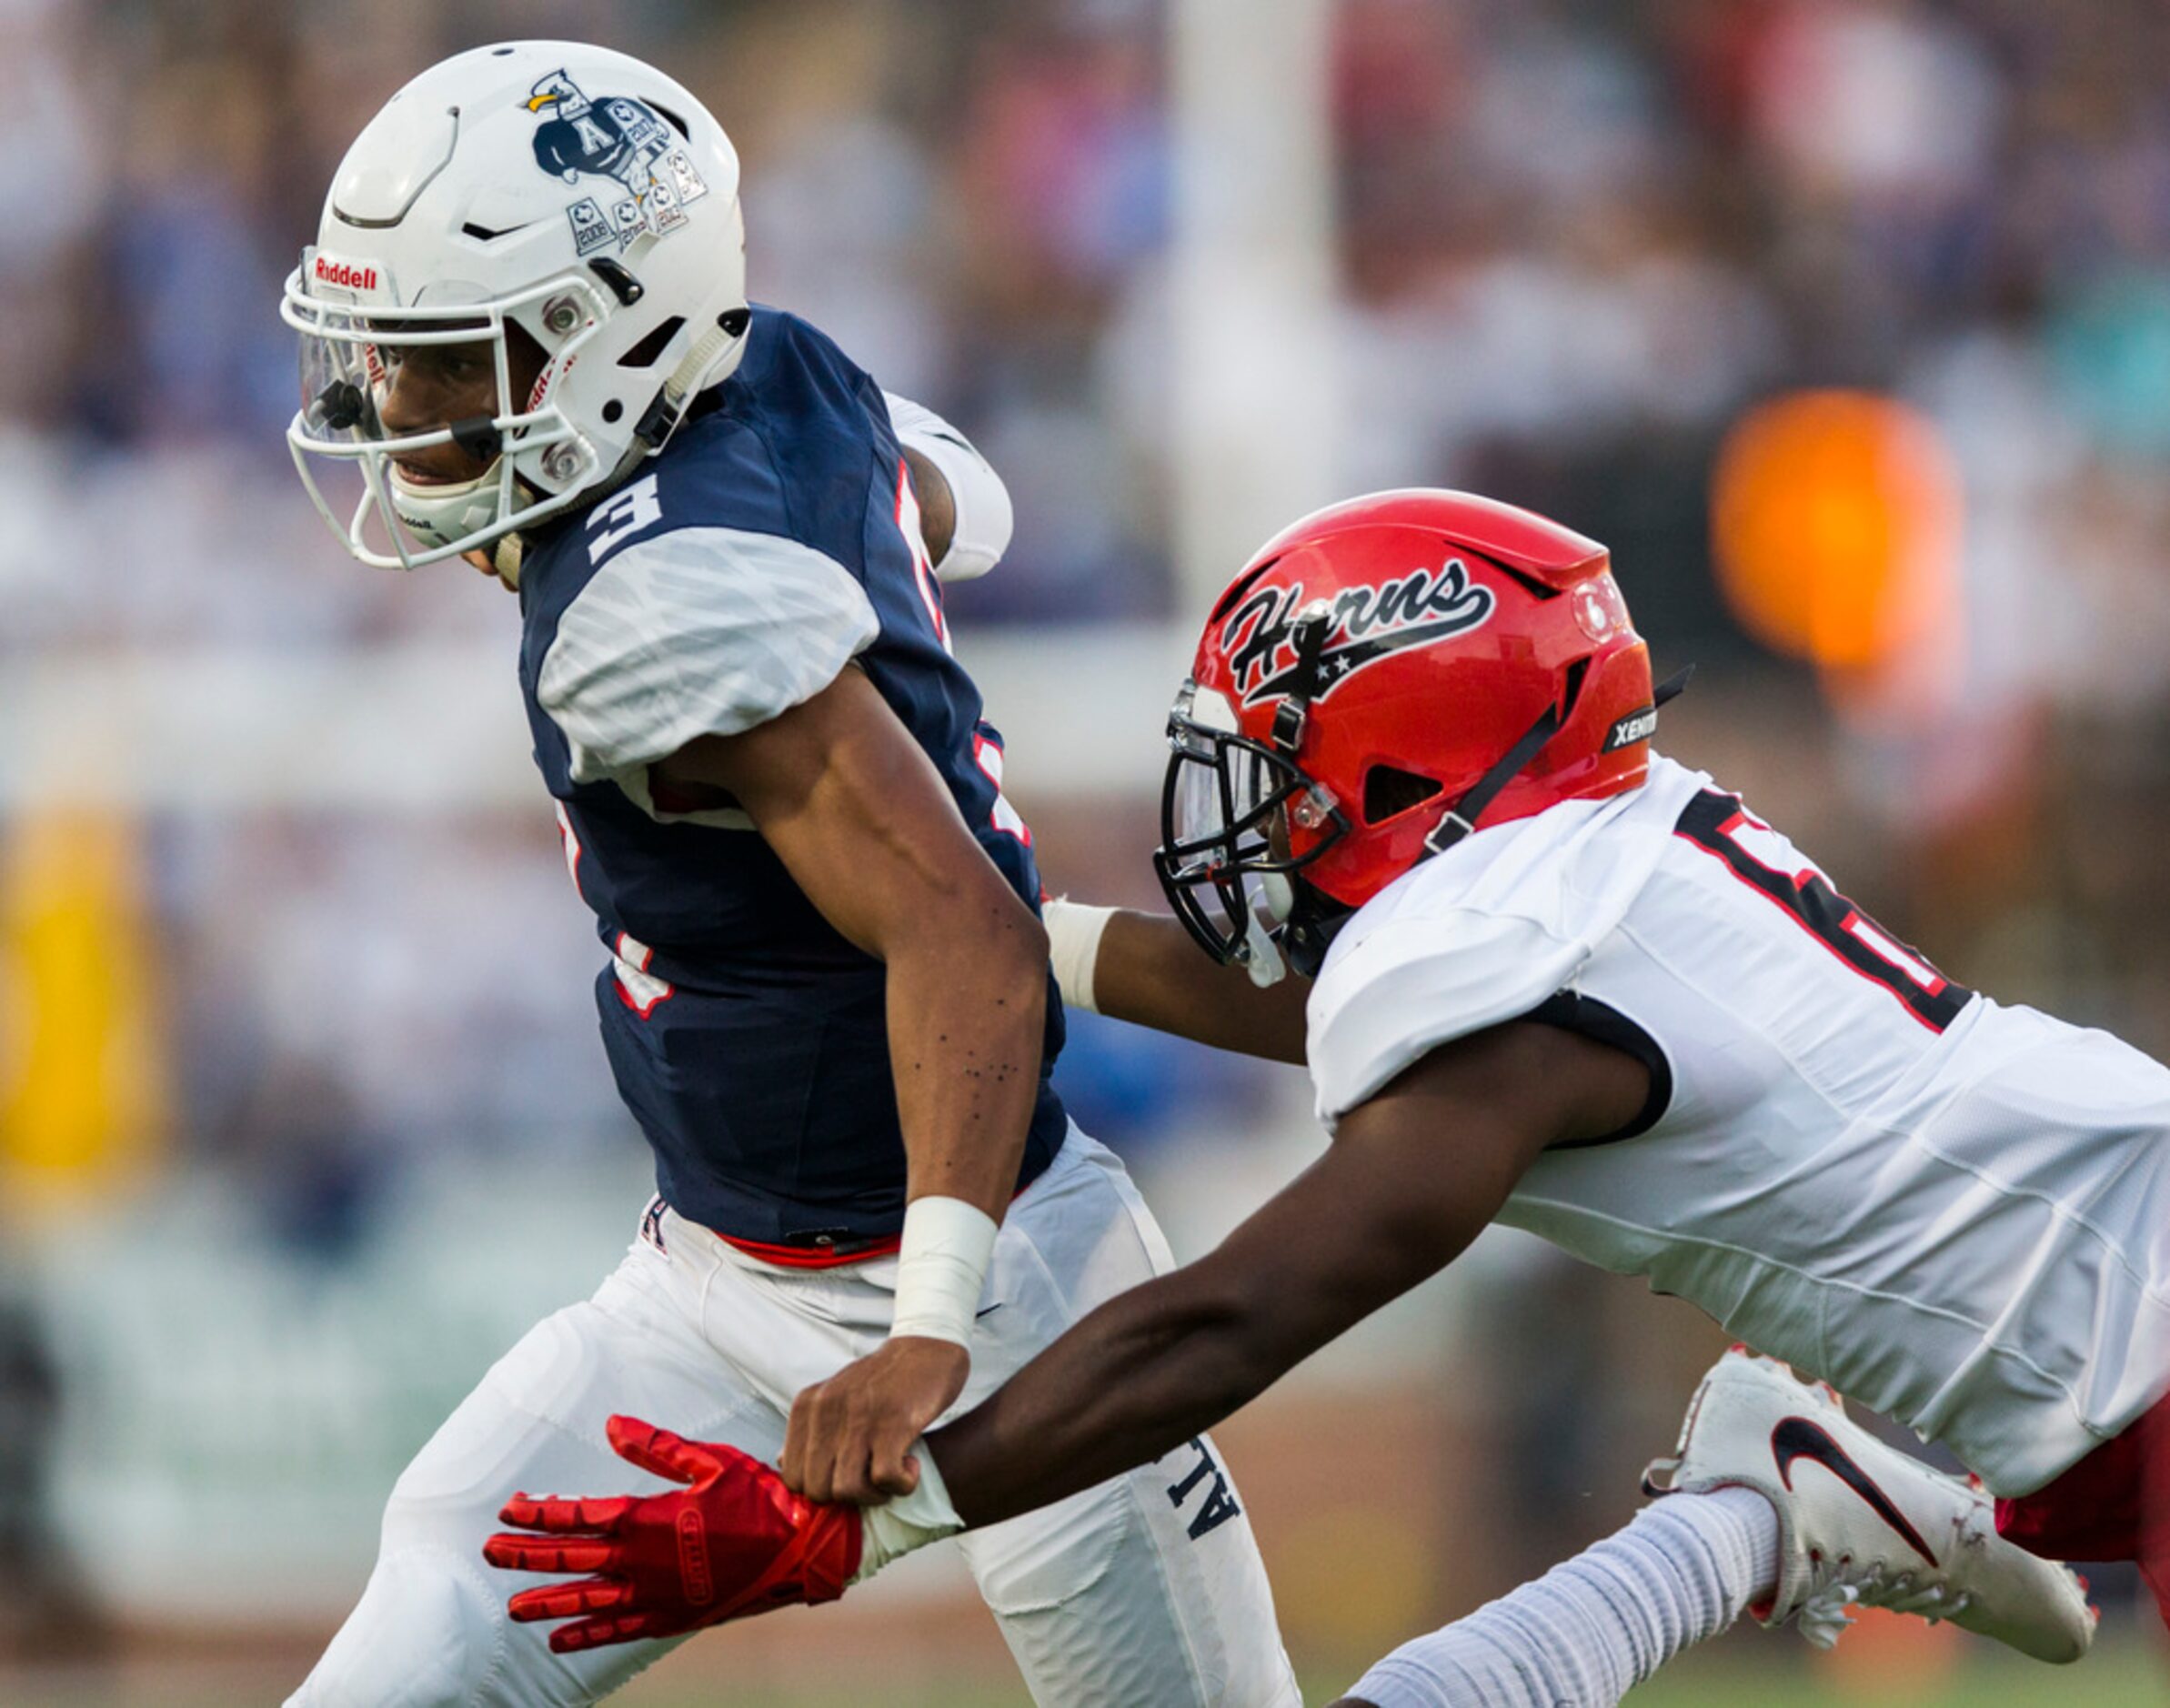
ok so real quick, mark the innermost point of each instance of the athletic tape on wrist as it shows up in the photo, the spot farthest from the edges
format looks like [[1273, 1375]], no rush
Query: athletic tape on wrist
[[1074, 932], [941, 1266]]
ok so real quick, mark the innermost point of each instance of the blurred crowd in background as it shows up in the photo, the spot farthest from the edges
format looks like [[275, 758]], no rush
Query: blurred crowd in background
[[1578, 242], [1646, 265]]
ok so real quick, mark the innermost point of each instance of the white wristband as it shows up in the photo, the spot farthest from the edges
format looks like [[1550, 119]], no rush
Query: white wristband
[[1074, 932], [908, 1522], [941, 1266]]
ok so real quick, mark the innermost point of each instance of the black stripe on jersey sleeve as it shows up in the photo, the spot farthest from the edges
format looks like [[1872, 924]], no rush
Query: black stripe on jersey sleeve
[[1572, 1011]]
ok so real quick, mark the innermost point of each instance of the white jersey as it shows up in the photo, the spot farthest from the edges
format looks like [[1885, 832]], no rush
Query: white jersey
[[1956, 1212]]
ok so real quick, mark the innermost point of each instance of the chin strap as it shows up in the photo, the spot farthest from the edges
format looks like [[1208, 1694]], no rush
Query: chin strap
[[1310, 927], [506, 560], [1461, 817], [658, 422], [1290, 716], [660, 419]]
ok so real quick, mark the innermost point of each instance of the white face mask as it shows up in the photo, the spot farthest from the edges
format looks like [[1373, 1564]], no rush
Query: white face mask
[[347, 354]]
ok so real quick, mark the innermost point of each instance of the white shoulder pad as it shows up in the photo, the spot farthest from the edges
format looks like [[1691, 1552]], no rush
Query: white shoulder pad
[[984, 517], [1487, 931], [1384, 1003], [701, 631]]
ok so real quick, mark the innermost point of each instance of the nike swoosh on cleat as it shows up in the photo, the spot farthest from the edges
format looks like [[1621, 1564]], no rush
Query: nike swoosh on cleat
[[1798, 1437]]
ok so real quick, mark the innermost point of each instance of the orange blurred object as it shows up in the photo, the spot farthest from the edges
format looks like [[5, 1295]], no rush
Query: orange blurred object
[[1835, 525], [1890, 1657]]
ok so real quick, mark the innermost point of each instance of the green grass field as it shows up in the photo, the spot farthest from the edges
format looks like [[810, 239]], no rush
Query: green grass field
[[2128, 1675], [1900, 1665], [2117, 1679], [2124, 1678]]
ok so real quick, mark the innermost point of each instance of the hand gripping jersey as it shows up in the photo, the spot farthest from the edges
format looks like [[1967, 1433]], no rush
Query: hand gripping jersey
[[775, 542], [1956, 1212]]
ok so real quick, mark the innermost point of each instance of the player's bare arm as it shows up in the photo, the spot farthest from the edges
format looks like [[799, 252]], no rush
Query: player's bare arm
[[856, 812], [1411, 1178], [1144, 968], [938, 506]]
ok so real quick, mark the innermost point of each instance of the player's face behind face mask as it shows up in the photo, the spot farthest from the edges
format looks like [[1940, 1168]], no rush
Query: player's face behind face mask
[[432, 387], [443, 386], [421, 411]]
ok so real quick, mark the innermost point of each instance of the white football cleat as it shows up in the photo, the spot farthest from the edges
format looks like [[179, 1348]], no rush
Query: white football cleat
[[1860, 1523]]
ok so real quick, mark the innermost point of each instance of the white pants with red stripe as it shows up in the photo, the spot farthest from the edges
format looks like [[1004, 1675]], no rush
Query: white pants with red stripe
[[1146, 1590]]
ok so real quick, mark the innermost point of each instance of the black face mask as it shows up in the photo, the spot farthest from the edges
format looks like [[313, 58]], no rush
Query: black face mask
[[1219, 804]]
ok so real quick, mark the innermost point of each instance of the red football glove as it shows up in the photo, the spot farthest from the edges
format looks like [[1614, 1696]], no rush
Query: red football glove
[[734, 1543]]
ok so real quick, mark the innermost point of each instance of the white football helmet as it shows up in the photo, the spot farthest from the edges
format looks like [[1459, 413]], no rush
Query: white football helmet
[[570, 191]]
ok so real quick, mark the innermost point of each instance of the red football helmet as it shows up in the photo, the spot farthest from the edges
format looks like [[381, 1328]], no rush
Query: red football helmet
[[1389, 670]]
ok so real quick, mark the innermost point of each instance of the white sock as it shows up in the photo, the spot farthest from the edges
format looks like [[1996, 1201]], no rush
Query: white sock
[[1591, 1630]]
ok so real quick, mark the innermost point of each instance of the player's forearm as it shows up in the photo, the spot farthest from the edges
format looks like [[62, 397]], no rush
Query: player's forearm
[[1137, 1377], [1152, 1368], [1149, 971], [966, 1017], [1411, 1179]]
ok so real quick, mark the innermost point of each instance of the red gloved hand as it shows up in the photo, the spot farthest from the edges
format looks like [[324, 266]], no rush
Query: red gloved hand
[[734, 1543]]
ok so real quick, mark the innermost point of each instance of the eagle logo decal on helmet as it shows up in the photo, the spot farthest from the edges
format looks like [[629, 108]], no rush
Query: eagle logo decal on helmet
[[1368, 623], [622, 139]]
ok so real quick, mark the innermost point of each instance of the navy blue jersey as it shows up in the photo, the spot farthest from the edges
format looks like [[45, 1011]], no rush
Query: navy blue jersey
[[774, 543]]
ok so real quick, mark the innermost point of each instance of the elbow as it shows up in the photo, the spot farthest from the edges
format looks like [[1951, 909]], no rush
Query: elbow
[[1012, 937], [1032, 945], [985, 930], [1025, 974]]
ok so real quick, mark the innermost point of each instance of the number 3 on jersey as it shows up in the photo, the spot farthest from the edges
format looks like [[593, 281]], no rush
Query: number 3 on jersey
[[622, 515], [1764, 861]]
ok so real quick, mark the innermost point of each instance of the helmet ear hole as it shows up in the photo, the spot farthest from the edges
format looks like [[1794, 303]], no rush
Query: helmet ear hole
[[1576, 672], [1387, 790], [643, 354]]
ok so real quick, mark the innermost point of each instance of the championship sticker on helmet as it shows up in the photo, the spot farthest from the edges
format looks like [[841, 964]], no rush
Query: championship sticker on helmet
[[1368, 623], [622, 139]]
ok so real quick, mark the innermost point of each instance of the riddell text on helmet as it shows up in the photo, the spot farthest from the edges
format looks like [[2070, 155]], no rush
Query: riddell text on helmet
[[347, 275]]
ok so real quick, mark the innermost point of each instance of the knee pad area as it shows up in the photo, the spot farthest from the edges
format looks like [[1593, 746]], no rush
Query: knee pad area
[[1044, 1560], [431, 1628]]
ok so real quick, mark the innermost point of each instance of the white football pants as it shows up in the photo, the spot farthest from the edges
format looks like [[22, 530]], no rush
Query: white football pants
[[1146, 1590]]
